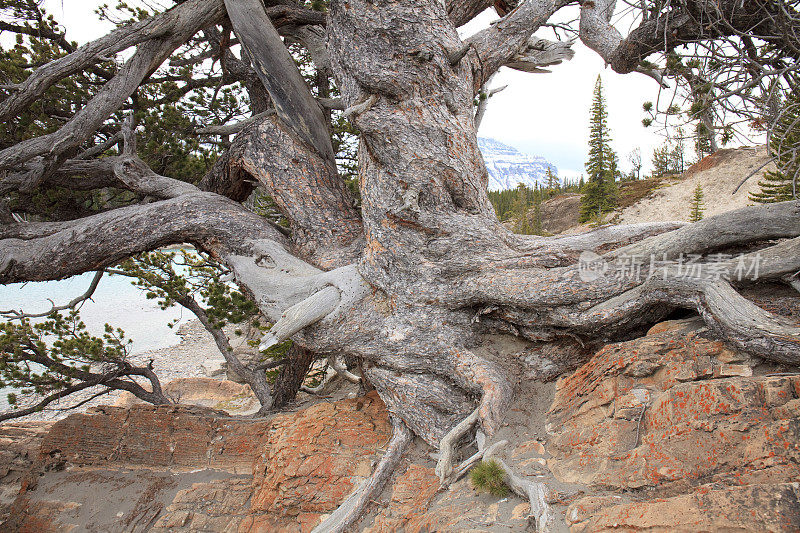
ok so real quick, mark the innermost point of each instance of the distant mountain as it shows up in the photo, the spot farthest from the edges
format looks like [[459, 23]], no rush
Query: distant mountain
[[508, 166]]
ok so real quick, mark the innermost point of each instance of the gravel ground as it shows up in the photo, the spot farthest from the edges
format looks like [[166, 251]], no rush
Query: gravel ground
[[727, 169]]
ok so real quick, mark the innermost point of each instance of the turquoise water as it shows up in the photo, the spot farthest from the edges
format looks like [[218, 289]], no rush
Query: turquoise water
[[115, 301]]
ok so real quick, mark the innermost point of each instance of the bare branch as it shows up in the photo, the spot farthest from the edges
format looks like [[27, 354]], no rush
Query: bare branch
[[80, 127], [462, 11], [538, 53], [279, 74], [16, 315], [500, 43], [236, 127], [67, 248]]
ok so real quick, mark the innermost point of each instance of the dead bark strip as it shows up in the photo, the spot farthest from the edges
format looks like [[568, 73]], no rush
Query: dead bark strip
[[444, 466], [533, 491], [279, 74], [349, 512]]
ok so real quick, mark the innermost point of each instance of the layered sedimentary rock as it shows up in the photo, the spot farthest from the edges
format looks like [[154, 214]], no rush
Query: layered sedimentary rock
[[180, 468]]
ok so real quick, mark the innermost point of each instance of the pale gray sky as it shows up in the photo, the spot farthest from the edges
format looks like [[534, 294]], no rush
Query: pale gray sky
[[541, 114], [548, 114]]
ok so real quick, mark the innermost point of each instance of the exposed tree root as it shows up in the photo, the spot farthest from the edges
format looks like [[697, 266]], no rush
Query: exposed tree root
[[465, 466], [341, 369], [335, 368], [444, 466], [349, 512], [534, 491]]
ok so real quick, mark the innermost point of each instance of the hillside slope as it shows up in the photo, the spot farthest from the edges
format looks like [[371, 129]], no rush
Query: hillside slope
[[718, 175]]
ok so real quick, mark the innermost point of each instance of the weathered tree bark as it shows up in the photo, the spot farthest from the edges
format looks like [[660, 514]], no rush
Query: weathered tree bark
[[325, 225], [291, 376], [407, 286], [412, 306]]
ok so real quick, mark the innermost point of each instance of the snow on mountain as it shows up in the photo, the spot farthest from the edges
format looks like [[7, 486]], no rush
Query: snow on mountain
[[508, 166]]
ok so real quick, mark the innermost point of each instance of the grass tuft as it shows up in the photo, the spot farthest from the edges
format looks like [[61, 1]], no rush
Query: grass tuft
[[487, 476]]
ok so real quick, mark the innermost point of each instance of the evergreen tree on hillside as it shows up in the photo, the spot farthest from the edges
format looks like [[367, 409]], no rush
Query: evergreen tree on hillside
[[662, 161], [780, 185], [697, 205], [552, 181], [536, 224], [522, 202], [600, 190]]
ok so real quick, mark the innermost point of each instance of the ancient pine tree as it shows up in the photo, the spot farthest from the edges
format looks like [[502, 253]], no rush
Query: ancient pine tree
[[403, 287]]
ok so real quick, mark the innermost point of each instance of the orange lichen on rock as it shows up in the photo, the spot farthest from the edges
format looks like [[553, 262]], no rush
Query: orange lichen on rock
[[668, 413]]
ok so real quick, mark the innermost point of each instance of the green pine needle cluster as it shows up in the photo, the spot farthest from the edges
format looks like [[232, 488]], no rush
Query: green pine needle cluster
[[487, 476], [779, 185], [57, 353]]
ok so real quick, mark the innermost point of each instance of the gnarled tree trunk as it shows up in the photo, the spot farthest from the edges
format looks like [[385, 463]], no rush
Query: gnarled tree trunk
[[407, 286]]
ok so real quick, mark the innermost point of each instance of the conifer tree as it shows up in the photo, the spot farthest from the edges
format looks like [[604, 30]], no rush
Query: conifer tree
[[599, 193], [536, 226], [781, 185], [521, 205], [552, 181], [661, 161], [697, 205]]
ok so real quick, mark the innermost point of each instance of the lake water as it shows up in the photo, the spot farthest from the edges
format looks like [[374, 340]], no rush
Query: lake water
[[115, 301]]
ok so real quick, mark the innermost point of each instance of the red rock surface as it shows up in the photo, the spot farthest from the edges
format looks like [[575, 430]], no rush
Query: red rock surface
[[412, 493], [670, 432], [771, 507], [677, 415], [164, 436], [280, 474], [313, 460]]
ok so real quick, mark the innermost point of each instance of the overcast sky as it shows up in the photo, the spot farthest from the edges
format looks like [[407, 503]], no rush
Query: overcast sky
[[548, 114], [541, 114]]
